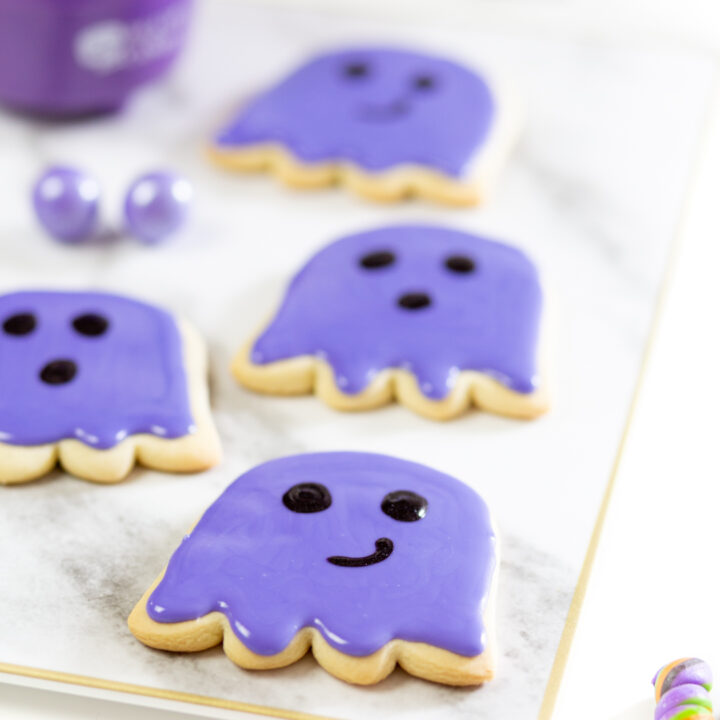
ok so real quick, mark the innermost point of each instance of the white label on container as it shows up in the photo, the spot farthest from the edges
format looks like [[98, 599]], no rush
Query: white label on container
[[112, 45]]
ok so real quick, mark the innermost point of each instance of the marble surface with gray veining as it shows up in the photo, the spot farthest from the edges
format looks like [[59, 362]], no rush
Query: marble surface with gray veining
[[593, 193]]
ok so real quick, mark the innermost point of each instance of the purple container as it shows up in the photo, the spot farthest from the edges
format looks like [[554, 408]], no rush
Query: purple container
[[74, 57]]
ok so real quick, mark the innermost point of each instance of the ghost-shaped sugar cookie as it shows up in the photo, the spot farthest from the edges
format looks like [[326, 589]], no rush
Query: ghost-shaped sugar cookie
[[97, 382], [385, 122], [438, 319], [368, 560]]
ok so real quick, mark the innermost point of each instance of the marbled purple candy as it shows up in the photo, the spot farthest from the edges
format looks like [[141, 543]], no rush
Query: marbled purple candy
[[266, 567], [683, 698], [682, 690], [157, 205], [90, 366], [484, 315], [376, 107]]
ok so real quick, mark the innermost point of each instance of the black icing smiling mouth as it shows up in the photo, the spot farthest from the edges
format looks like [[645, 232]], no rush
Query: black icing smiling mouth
[[383, 550], [387, 112]]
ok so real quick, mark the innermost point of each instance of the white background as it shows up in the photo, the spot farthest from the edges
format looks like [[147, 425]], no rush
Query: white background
[[653, 596]]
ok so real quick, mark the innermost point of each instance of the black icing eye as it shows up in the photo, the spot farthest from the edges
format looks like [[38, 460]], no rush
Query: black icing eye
[[307, 498], [375, 260], [404, 505], [356, 70], [424, 82], [58, 372], [90, 324], [414, 301], [460, 264], [20, 324]]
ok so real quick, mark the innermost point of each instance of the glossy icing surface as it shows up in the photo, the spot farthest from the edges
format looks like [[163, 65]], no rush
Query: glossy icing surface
[[376, 107], [428, 299], [682, 690], [272, 570], [90, 366]]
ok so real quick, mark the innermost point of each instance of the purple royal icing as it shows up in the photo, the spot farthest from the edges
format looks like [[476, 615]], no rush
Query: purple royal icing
[[265, 567], [128, 379], [376, 107], [485, 320]]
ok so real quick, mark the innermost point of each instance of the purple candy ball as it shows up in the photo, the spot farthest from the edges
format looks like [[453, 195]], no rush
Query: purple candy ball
[[66, 203], [157, 205]]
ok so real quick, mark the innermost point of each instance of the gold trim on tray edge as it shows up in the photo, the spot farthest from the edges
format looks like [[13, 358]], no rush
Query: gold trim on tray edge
[[174, 695], [557, 671]]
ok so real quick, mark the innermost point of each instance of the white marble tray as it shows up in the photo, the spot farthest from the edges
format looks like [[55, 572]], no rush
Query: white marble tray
[[593, 193]]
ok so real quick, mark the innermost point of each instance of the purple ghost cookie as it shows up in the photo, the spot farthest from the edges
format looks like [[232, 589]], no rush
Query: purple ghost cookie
[[376, 109], [364, 548], [428, 300], [98, 382]]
